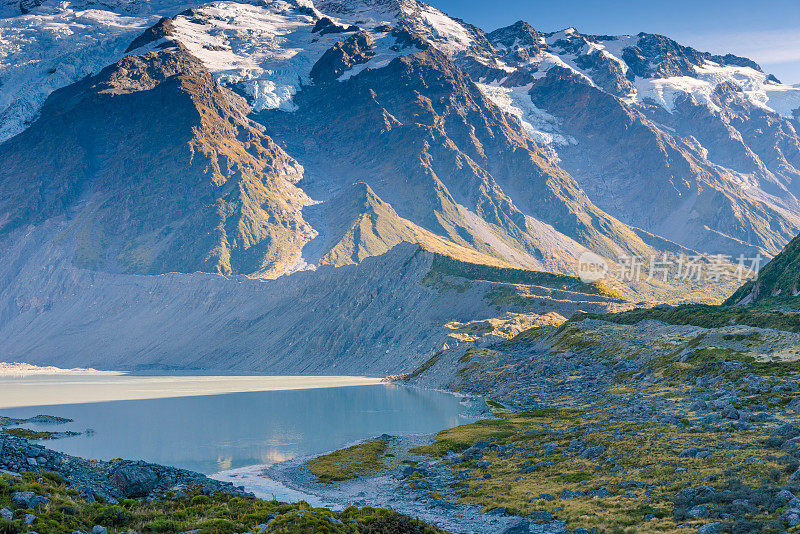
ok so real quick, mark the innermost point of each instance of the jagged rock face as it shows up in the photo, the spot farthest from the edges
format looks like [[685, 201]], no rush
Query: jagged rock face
[[164, 29], [175, 177], [355, 50], [690, 159], [656, 56], [429, 143], [519, 38], [732, 187], [650, 180]]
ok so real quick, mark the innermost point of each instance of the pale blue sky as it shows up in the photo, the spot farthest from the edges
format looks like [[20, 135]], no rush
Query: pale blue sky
[[767, 31]]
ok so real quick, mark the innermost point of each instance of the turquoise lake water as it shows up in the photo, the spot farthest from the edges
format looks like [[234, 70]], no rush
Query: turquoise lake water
[[213, 433]]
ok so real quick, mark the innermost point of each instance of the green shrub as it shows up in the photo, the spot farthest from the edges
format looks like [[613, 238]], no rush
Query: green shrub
[[200, 500], [7, 527], [113, 516], [162, 525], [218, 526]]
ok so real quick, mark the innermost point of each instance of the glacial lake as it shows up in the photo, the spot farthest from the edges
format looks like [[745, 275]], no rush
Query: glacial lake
[[171, 421]]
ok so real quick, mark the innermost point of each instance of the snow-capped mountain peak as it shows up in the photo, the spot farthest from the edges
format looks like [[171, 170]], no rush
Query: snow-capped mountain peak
[[574, 98]]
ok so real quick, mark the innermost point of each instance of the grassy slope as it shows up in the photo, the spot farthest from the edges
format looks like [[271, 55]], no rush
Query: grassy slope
[[363, 225], [210, 514], [707, 316], [452, 267], [649, 455], [352, 462], [777, 282]]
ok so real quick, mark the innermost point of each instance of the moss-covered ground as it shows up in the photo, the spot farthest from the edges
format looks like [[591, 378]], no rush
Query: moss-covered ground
[[352, 462], [537, 462]]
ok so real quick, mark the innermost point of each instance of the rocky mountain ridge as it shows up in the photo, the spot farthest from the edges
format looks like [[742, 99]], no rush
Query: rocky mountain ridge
[[747, 205]]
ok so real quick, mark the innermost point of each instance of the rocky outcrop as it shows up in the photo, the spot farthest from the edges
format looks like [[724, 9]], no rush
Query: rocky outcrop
[[162, 30], [657, 56], [112, 481], [342, 57], [134, 480]]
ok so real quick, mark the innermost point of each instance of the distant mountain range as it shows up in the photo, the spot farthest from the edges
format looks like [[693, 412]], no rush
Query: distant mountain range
[[272, 137]]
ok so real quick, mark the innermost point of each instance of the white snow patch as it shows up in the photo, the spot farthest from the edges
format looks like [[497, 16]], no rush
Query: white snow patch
[[542, 127], [665, 91], [446, 34], [268, 49], [617, 45], [52, 48], [780, 98]]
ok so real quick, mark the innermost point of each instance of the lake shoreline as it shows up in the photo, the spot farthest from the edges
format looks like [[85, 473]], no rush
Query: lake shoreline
[[290, 481], [33, 390]]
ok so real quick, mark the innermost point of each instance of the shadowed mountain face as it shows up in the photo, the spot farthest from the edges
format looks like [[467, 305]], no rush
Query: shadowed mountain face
[[166, 171], [659, 135], [652, 180]]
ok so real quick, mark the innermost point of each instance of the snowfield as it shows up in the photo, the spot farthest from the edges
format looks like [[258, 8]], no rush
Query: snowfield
[[42, 52], [779, 98], [267, 50], [540, 125]]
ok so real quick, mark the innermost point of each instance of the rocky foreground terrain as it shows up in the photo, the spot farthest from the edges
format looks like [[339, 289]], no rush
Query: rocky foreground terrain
[[646, 420], [46, 492], [605, 426], [610, 423], [106, 481]]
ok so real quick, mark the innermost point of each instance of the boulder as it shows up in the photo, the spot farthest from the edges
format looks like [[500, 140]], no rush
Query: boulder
[[709, 528], [541, 515], [28, 499], [134, 480], [699, 512], [593, 452]]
